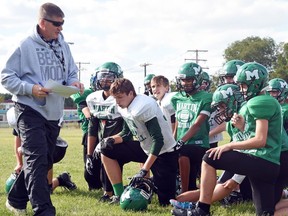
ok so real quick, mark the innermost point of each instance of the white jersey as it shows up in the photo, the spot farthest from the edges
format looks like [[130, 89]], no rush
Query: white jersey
[[167, 107], [142, 109], [217, 137], [100, 108]]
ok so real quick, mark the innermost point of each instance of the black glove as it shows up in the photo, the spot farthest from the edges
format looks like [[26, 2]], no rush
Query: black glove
[[140, 175], [89, 164], [179, 144], [107, 143]]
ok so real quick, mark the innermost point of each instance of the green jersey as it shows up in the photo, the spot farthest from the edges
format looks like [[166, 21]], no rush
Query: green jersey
[[284, 109], [80, 100], [264, 107], [187, 109]]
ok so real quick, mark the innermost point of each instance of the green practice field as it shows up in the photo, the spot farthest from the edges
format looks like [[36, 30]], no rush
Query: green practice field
[[81, 201]]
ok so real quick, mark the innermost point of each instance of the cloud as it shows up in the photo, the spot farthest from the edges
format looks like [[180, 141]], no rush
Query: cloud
[[132, 32]]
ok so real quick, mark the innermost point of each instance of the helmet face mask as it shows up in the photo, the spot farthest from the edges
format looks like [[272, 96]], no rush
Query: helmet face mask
[[278, 89], [252, 78], [106, 74], [147, 83], [223, 113], [205, 81], [188, 78], [105, 79], [225, 100]]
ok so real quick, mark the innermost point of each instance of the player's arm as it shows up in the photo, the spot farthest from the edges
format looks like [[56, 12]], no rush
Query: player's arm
[[218, 129], [124, 135], [195, 127], [155, 132], [92, 135], [175, 129], [259, 141], [86, 112], [173, 122]]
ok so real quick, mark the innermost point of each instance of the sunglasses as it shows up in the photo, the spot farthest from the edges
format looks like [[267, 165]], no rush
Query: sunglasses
[[55, 23]]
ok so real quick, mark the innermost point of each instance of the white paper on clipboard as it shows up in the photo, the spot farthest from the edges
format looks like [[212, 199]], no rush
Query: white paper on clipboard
[[57, 88]]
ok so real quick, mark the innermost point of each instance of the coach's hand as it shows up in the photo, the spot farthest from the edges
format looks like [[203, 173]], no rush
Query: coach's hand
[[89, 164]]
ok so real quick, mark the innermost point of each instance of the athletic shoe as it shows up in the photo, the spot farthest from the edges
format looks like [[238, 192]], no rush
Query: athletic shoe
[[65, 181], [105, 198], [115, 200], [15, 210], [192, 212], [233, 198], [182, 205]]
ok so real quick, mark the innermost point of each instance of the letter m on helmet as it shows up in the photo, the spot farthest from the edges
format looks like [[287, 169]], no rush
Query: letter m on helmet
[[197, 70], [227, 92], [254, 74]]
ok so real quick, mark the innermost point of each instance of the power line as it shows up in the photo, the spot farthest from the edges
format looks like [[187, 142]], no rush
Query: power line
[[145, 66], [79, 68], [197, 56]]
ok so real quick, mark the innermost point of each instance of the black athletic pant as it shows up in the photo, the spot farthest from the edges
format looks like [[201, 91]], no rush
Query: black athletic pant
[[38, 137], [261, 173], [164, 168]]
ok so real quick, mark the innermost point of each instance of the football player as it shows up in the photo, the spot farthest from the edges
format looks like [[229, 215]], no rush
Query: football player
[[192, 107], [260, 121], [147, 84], [160, 90], [155, 148], [92, 178], [229, 70], [278, 89], [105, 119]]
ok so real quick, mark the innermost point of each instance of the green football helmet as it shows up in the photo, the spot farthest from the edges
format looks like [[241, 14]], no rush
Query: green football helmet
[[147, 81], [189, 71], [105, 75], [137, 195], [255, 76], [226, 100], [10, 181], [229, 69], [280, 86], [148, 78], [206, 81]]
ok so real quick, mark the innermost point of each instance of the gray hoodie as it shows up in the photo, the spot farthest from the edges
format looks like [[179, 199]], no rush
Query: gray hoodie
[[34, 62]]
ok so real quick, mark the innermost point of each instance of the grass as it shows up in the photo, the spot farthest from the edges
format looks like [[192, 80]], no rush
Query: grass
[[81, 201]]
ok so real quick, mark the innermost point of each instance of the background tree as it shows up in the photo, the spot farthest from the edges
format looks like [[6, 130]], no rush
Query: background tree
[[281, 64], [4, 97], [261, 50]]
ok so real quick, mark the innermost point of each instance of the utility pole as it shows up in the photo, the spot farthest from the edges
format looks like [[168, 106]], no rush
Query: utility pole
[[79, 68], [197, 58], [145, 65]]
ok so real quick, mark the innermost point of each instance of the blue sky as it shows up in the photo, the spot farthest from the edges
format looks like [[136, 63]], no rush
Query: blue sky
[[159, 32]]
